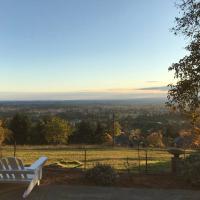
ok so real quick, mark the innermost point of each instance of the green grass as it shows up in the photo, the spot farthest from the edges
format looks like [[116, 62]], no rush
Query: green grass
[[119, 158]]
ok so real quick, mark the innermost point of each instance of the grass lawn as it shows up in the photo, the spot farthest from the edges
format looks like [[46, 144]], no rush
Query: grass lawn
[[70, 156]]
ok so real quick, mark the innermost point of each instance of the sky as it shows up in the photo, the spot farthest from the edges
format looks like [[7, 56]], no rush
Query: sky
[[86, 49]]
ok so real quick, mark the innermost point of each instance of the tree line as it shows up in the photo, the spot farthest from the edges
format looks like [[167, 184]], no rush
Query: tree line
[[53, 130], [20, 129]]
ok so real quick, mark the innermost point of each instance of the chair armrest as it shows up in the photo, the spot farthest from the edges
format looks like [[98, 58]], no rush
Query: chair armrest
[[38, 163]]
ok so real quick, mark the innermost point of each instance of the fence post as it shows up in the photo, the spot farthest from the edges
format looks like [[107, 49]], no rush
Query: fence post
[[139, 156], [14, 148], [184, 154], [128, 166], [146, 158], [85, 158]]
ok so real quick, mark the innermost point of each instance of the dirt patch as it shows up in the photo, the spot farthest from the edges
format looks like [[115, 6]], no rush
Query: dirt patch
[[77, 177]]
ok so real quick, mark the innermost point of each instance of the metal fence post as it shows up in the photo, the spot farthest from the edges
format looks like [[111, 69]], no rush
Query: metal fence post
[[146, 158], [14, 148], [85, 158], [139, 157]]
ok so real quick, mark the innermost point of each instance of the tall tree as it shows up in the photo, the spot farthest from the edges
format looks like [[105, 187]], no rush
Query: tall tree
[[99, 134], [20, 125], [37, 134], [84, 133], [184, 94], [56, 130]]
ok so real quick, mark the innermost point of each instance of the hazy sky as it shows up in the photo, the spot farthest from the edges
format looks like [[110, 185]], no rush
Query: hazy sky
[[86, 47]]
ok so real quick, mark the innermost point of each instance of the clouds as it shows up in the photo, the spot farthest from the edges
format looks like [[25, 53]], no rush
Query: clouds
[[153, 81], [159, 88]]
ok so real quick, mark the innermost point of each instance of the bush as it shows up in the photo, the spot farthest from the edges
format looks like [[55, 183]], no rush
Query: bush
[[102, 174], [190, 169]]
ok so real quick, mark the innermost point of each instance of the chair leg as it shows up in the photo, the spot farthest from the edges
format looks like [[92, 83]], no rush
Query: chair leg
[[40, 173], [30, 187]]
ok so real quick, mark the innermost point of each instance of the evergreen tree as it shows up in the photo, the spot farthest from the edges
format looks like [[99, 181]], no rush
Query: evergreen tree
[[20, 125]]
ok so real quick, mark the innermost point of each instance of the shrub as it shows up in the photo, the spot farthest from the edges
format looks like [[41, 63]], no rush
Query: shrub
[[102, 174], [190, 169]]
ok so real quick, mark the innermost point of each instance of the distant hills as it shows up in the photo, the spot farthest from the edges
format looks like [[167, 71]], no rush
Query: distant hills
[[139, 101]]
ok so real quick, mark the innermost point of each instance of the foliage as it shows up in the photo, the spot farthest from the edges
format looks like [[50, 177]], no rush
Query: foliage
[[108, 140], [56, 130], [146, 118], [85, 133], [122, 139], [155, 139], [3, 133], [20, 125], [136, 137], [196, 138], [184, 94], [37, 134], [188, 23], [190, 169], [188, 138], [99, 134], [117, 128], [102, 174]]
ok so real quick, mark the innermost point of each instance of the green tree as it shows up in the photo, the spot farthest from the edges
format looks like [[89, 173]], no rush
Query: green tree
[[184, 94], [55, 130], [20, 125], [99, 134], [84, 133], [37, 134]]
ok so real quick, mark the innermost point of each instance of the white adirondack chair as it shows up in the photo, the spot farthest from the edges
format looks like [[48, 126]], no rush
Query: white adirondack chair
[[12, 170]]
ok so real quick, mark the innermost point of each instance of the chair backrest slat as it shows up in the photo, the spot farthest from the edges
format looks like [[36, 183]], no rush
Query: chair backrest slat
[[12, 162], [3, 174], [21, 165], [12, 166], [6, 167], [5, 163]]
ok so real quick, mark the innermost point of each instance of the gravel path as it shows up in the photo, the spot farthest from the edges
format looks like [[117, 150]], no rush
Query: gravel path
[[62, 192]]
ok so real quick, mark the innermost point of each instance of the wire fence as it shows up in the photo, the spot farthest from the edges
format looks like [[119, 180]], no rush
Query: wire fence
[[137, 160]]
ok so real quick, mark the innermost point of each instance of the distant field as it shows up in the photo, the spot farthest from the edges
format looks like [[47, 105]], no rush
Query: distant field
[[158, 160]]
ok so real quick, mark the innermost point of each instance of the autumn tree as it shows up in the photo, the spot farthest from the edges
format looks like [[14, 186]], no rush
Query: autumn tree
[[136, 137], [108, 139], [117, 128], [184, 94], [3, 133], [155, 139]]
